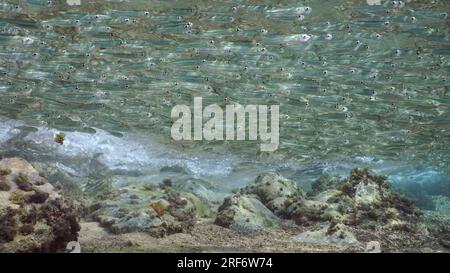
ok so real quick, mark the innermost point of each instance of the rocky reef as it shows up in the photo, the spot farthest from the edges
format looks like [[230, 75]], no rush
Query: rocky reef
[[347, 212], [364, 199], [343, 214], [159, 210], [34, 217], [186, 213], [245, 214]]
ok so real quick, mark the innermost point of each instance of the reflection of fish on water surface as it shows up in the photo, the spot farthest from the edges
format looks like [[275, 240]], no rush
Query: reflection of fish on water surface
[[351, 78]]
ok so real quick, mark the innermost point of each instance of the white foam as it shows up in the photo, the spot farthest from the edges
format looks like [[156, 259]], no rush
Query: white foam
[[8, 129], [124, 153]]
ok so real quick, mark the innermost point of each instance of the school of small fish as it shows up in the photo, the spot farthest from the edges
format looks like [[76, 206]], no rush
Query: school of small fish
[[352, 78]]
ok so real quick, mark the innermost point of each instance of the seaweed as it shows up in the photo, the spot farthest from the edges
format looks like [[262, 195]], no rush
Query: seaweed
[[4, 186], [26, 229], [324, 182], [22, 182], [62, 217], [37, 197], [166, 183], [4, 170], [18, 198], [8, 225]]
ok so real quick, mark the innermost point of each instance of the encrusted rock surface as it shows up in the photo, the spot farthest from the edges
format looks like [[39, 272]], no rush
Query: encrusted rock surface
[[245, 213], [157, 210], [345, 212], [33, 216]]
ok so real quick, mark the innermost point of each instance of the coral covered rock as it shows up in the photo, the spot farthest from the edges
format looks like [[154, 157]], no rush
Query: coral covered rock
[[33, 216], [274, 191], [323, 183], [372, 199], [363, 200], [270, 186], [159, 212], [244, 213]]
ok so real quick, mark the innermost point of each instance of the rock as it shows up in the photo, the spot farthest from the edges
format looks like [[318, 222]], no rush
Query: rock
[[161, 212], [203, 189], [372, 193], [22, 182], [328, 196], [33, 216], [305, 213], [279, 205], [332, 234], [364, 200], [368, 201], [245, 213], [159, 206], [135, 222], [202, 207], [323, 183], [270, 186]]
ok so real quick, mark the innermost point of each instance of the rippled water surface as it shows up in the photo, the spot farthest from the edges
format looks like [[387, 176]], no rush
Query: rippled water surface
[[357, 84]]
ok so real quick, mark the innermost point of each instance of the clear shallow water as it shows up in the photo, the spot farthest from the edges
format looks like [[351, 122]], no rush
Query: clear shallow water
[[357, 84]]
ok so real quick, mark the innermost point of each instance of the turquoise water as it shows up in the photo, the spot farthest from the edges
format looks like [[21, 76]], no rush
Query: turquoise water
[[357, 84]]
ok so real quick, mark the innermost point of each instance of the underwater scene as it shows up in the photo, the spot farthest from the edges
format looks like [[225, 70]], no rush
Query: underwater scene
[[115, 133]]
